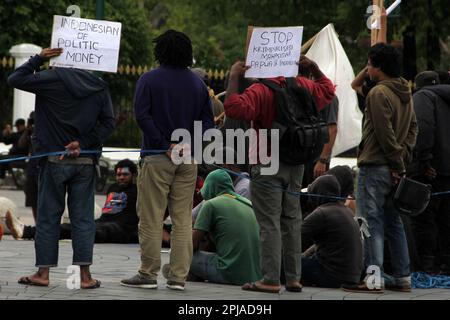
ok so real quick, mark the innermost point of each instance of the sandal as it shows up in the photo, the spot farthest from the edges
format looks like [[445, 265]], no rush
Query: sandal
[[95, 285], [260, 287], [29, 282], [294, 286]]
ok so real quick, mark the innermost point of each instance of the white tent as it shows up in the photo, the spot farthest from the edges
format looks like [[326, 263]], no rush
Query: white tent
[[329, 54]]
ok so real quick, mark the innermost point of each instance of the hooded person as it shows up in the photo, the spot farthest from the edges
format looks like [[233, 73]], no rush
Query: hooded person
[[331, 226], [229, 222], [344, 176], [388, 139], [73, 113], [431, 165]]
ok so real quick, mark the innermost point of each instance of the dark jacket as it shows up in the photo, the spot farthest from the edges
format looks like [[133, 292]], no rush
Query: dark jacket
[[167, 99], [389, 126], [71, 105], [334, 230], [432, 106]]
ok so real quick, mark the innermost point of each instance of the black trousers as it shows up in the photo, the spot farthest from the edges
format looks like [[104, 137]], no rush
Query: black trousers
[[105, 232], [432, 228]]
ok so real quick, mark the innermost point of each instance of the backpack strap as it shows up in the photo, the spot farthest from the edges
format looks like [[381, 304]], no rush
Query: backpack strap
[[270, 84], [291, 82]]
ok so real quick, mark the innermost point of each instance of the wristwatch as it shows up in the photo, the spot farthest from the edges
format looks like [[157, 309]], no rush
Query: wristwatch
[[324, 160]]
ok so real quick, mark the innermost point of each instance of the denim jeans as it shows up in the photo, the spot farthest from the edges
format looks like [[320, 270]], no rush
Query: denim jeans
[[204, 266], [55, 180], [374, 203]]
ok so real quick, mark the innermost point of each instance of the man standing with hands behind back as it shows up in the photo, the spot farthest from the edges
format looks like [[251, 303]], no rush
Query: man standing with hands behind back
[[73, 113], [167, 98]]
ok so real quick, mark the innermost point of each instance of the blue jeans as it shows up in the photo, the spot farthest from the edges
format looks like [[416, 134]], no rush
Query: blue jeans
[[54, 181], [204, 266], [374, 203]]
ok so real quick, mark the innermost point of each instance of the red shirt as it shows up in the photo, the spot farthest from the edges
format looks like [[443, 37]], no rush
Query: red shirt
[[257, 103]]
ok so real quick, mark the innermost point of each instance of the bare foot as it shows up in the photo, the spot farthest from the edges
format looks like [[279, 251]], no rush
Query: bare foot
[[35, 280], [87, 282]]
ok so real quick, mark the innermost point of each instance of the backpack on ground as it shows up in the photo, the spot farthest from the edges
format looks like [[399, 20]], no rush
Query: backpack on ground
[[303, 132]]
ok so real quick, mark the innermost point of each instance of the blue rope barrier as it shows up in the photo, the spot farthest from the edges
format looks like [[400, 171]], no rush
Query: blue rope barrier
[[421, 280], [87, 152]]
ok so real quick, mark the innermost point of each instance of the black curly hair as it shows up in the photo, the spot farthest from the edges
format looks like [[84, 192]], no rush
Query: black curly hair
[[126, 163], [387, 58], [173, 48]]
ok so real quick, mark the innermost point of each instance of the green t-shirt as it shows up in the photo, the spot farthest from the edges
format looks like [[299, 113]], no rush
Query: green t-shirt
[[233, 229]]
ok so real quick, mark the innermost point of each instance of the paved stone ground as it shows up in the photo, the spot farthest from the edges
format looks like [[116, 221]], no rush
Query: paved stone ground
[[113, 262]]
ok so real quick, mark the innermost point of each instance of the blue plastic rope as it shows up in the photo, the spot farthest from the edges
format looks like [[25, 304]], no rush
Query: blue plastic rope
[[294, 193], [421, 280]]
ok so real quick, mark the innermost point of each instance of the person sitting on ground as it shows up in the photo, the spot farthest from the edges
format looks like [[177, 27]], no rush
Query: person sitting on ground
[[118, 222], [229, 221], [338, 258], [344, 175], [241, 180], [10, 137]]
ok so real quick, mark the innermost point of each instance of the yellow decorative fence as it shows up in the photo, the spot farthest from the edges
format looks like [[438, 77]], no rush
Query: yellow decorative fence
[[7, 62], [213, 74]]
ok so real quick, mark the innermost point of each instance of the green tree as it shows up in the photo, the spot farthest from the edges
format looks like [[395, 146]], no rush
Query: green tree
[[30, 21]]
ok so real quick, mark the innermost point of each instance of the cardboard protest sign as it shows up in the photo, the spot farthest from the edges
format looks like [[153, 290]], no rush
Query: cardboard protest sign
[[88, 44], [274, 52]]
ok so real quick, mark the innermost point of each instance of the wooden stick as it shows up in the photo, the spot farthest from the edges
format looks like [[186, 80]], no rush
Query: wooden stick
[[220, 117], [374, 32], [309, 43], [249, 36]]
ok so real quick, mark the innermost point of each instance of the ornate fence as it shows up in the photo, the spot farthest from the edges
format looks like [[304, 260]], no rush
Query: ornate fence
[[122, 86]]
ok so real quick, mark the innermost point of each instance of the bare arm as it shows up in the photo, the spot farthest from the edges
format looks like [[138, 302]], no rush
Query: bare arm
[[197, 237], [321, 166], [358, 82], [237, 71]]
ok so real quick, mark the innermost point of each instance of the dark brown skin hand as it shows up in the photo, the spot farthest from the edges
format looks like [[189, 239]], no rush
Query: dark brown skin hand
[[49, 53], [73, 150], [396, 177], [238, 69], [430, 173], [306, 63]]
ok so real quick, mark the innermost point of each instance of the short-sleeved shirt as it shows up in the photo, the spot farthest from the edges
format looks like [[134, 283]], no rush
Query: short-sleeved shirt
[[330, 113], [232, 227]]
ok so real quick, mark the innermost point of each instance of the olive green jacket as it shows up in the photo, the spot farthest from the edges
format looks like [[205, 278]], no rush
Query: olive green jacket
[[389, 126]]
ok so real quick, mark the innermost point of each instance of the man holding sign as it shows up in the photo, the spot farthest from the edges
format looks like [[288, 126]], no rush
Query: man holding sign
[[278, 212], [73, 113]]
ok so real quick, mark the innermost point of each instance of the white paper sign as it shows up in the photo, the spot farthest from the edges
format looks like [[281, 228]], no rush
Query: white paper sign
[[88, 44], [274, 52]]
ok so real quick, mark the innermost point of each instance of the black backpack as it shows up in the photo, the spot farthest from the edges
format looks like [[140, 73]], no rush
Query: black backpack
[[303, 132]]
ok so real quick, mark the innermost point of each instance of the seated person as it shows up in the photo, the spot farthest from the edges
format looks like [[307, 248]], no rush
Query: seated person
[[338, 258], [118, 222], [230, 223], [241, 183], [344, 175]]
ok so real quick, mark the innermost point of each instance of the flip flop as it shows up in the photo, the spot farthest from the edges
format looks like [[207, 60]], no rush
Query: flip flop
[[95, 285], [254, 286], [294, 288], [27, 281]]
